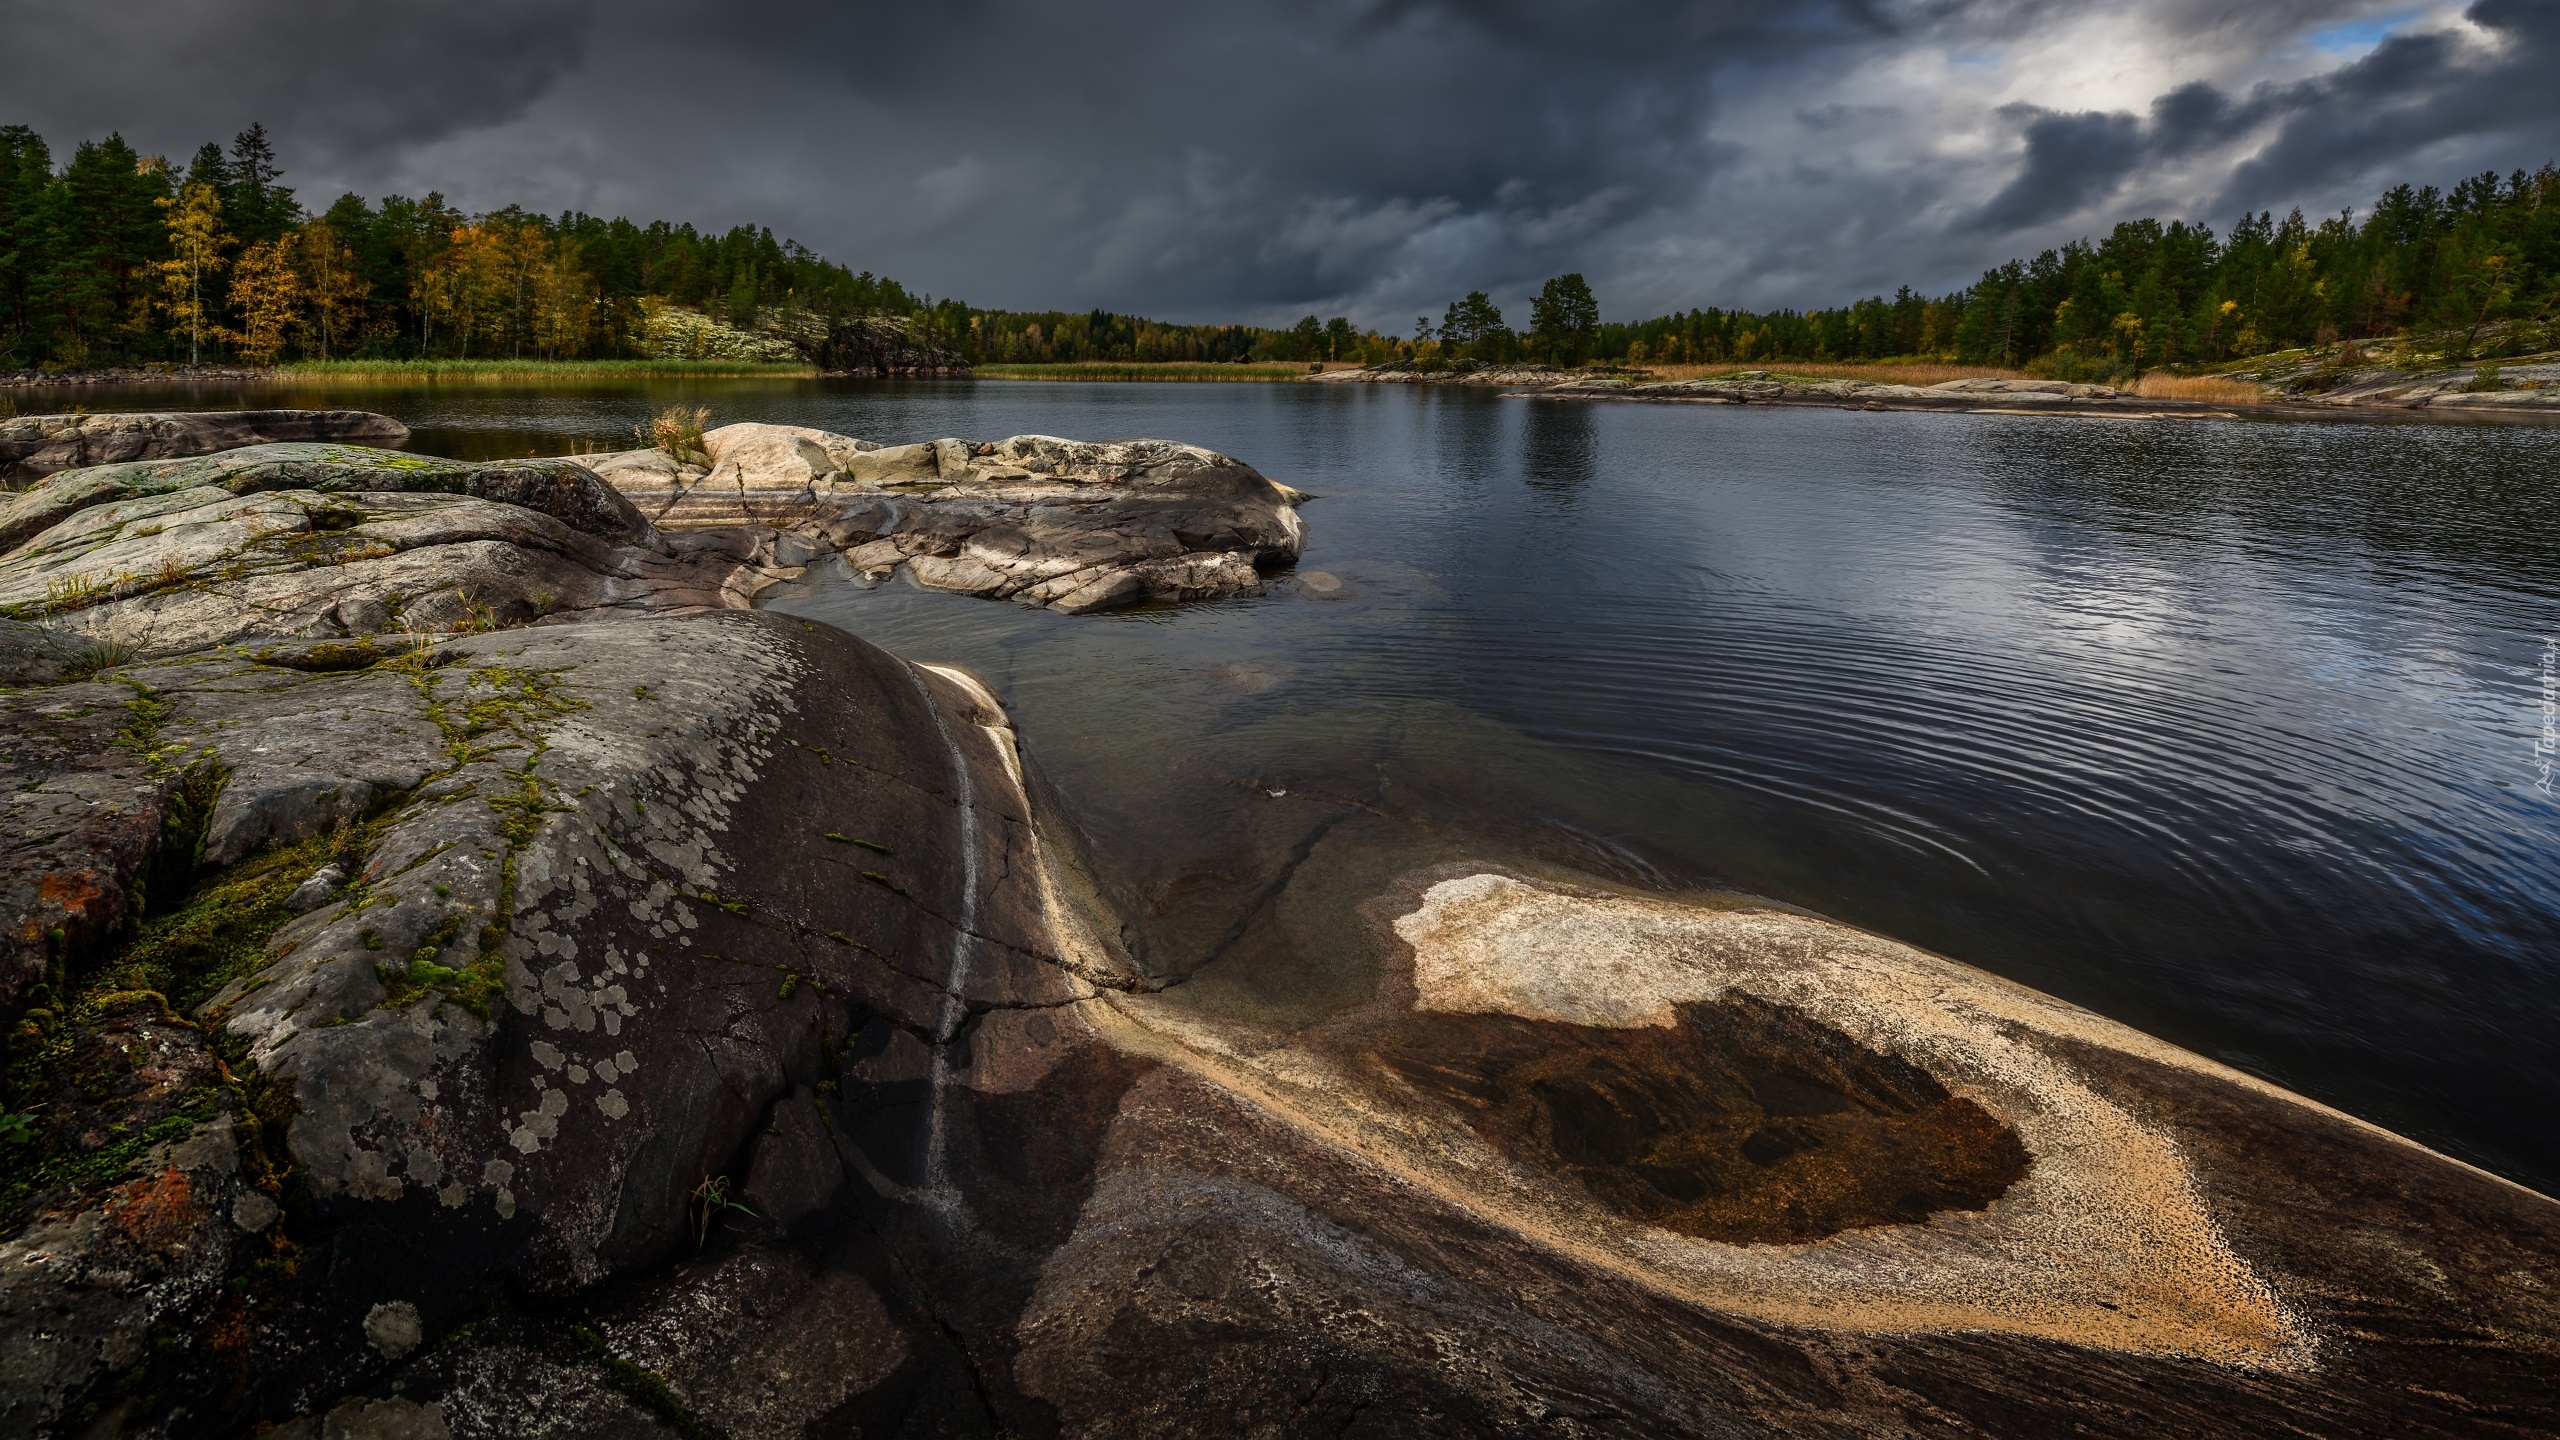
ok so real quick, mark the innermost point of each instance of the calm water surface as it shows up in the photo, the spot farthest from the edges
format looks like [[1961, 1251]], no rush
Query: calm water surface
[[2224, 729]]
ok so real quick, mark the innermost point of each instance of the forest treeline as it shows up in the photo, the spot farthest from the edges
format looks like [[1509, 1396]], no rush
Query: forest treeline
[[2478, 265], [118, 258]]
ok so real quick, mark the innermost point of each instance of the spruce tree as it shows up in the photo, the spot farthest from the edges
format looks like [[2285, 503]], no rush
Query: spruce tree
[[257, 208]]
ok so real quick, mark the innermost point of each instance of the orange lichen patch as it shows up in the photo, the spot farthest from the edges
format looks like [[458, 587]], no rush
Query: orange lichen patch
[[1742, 1121], [71, 892], [156, 1213]]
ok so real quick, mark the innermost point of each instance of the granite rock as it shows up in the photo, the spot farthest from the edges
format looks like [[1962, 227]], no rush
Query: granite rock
[[33, 446], [1032, 518]]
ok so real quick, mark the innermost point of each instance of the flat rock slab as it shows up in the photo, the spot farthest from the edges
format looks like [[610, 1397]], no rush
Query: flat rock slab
[[34, 446]]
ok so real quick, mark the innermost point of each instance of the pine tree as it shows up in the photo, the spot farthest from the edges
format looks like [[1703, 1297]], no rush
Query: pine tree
[[256, 207], [104, 238], [1563, 317], [26, 180], [1474, 326], [1339, 337]]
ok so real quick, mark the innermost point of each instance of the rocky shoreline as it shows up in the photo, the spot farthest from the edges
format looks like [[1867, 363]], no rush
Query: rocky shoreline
[[2529, 392], [131, 375], [567, 1002]]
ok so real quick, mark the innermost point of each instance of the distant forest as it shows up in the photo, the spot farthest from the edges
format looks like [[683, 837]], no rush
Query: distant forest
[[119, 258]]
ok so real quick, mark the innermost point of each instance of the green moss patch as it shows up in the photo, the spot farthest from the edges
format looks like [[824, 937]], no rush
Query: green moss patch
[[104, 1065]]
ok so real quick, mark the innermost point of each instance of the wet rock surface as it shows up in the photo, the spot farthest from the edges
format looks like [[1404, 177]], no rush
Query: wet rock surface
[[1739, 1121], [648, 1016], [34, 446]]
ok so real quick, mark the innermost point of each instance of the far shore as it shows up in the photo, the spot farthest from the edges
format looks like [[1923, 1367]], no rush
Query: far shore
[[2298, 384]]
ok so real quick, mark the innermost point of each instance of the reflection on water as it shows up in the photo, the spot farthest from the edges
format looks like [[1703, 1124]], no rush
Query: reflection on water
[[1559, 453], [2223, 729]]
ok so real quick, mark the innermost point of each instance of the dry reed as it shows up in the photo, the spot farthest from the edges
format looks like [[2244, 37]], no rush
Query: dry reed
[[2210, 389]]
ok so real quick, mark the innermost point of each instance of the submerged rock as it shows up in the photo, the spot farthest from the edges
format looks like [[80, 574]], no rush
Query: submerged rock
[[33, 446]]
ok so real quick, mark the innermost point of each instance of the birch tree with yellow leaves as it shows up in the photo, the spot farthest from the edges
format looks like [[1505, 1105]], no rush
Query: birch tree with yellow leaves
[[268, 297], [196, 246]]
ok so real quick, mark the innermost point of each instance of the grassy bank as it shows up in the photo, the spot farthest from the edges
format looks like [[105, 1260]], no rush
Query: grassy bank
[[445, 372], [1167, 370]]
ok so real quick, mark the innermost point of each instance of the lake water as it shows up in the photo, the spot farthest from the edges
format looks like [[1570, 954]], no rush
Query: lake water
[[2225, 729]]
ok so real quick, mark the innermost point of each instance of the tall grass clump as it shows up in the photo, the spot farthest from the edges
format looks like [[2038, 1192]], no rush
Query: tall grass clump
[[676, 432], [2210, 389]]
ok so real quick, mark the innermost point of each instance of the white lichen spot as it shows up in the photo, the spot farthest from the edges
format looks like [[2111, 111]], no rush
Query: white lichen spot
[[393, 1328], [577, 1074], [426, 1089], [546, 1054], [612, 1103], [506, 1203]]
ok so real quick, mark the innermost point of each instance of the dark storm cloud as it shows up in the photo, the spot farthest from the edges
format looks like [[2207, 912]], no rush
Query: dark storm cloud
[[1259, 158], [2071, 160], [2382, 117], [2496, 105], [343, 80]]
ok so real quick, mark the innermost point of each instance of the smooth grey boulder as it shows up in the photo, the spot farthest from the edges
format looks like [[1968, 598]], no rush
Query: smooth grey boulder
[[33, 446]]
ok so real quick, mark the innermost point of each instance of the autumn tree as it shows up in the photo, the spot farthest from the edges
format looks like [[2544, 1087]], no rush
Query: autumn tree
[[332, 287], [564, 305], [197, 243], [267, 296]]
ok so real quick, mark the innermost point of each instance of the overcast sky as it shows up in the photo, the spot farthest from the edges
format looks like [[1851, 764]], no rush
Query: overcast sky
[[1257, 159]]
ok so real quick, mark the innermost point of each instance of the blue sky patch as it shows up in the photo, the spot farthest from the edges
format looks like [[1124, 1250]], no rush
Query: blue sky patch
[[2359, 36]]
